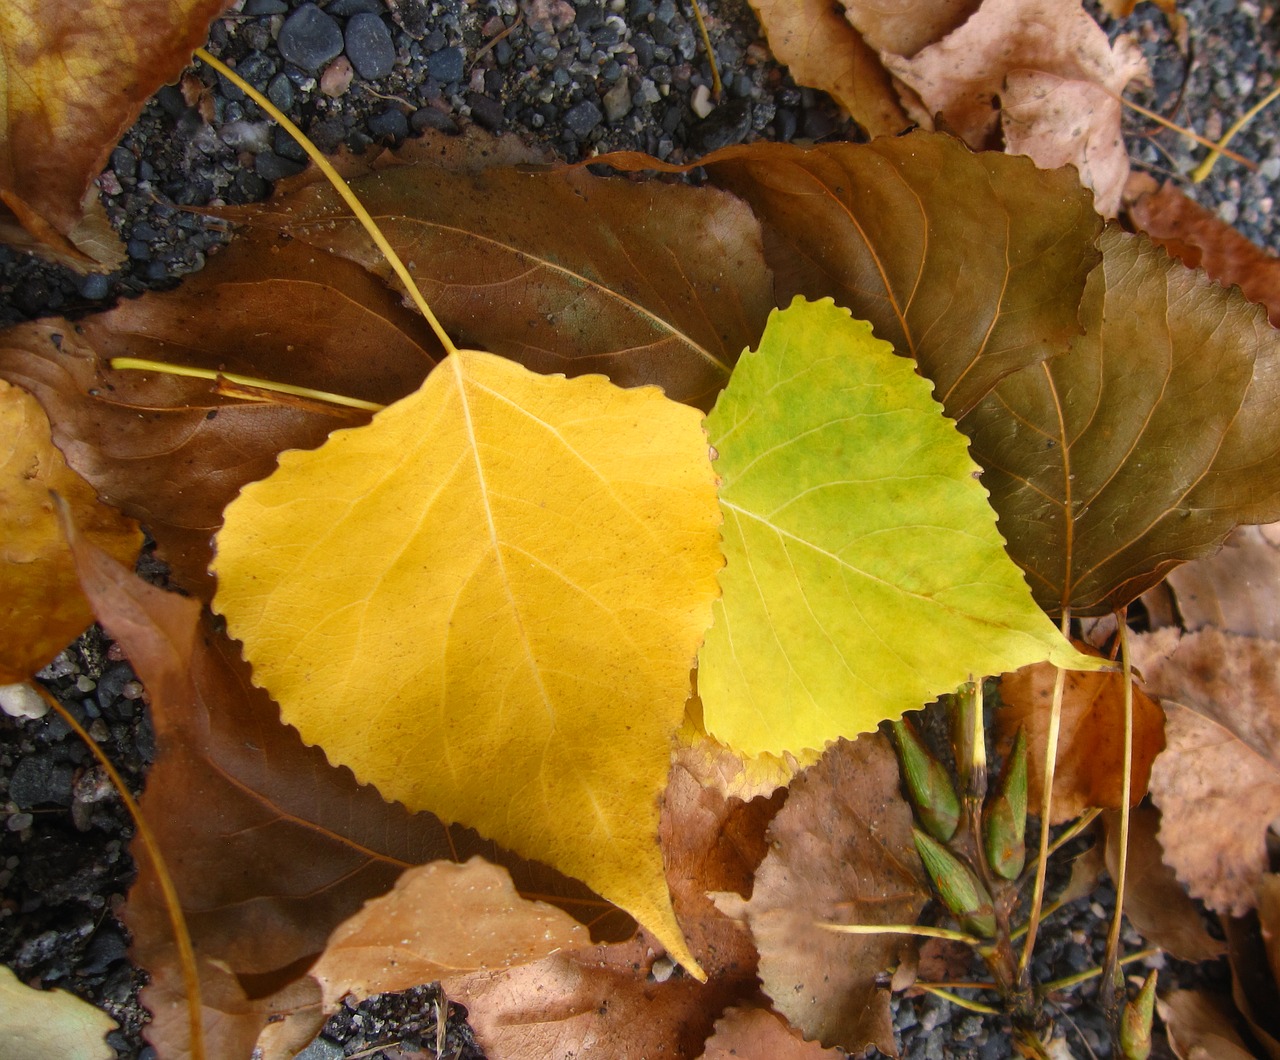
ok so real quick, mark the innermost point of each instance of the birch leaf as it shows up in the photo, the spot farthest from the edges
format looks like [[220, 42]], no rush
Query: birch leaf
[[535, 557], [865, 575]]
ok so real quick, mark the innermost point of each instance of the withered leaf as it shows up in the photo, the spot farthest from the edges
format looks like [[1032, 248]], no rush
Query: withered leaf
[[1142, 447], [903, 27], [1090, 762], [1217, 783], [1201, 1026], [1253, 986], [758, 1034], [1236, 590]]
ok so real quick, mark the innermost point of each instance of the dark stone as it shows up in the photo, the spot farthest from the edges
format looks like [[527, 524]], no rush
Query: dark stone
[[582, 117], [257, 69], [95, 286], [727, 124], [286, 146], [280, 92], [112, 682], [138, 249], [446, 65], [485, 111], [265, 7], [249, 187], [270, 166], [107, 947], [429, 118], [38, 780], [389, 124], [309, 38], [369, 46], [124, 163], [347, 8]]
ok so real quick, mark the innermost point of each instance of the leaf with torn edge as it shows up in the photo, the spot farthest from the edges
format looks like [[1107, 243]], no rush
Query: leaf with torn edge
[[537, 557], [864, 573], [39, 1024]]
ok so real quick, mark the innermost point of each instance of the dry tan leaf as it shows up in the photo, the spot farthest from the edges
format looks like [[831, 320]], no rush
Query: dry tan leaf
[[441, 919], [1218, 780], [903, 27], [1153, 899], [840, 852], [757, 1034], [1201, 1026], [1090, 760], [825, 52], [1199, 238], [1051, 64], [73, 77], [44, 608], [1237, 590]]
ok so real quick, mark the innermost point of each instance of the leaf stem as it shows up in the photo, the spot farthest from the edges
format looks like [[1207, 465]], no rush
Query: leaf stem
[[1046, 807], [142, 364], [1109, 966], [1091, 973], [182, 938], [1202, 171], [956, 999], [902, 929], [342, 188], [1191, 134], [716, 86]]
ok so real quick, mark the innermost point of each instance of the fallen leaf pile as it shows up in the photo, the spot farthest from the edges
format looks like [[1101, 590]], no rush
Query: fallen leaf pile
[[426, 711]]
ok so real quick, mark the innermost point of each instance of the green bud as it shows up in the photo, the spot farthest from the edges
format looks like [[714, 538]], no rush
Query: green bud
[[1135, 1022], [957, 886], [932, 793], [1005, 818]]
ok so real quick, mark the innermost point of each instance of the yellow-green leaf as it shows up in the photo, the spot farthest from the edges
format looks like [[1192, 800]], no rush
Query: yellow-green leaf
[[38, 1024], [486, 603], [865, 574]]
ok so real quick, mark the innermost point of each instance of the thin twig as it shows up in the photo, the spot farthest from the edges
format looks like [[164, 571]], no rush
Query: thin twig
[[1203, 170], [956, 999], [902, 929], [1112, 952], [1188, 133]]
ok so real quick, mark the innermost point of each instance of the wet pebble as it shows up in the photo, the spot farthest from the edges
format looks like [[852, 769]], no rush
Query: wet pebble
[[309, 38]]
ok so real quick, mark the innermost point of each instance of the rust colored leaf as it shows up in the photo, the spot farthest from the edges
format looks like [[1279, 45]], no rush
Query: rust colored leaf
[[903, 27], [757, 1034], [440, 919], [1142, 447], [1153, 899], [1218, 781], [825, 52], [648, 283], [840, 852], [1201, 1026], [616, 1002], [1199, 238], [43, 606], [73, 77], [270, 847], [1049, 68], [1090, 761], [1236, 590], [171, 452]]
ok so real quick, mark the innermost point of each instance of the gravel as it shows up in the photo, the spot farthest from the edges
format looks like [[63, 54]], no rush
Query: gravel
[[580, 77]]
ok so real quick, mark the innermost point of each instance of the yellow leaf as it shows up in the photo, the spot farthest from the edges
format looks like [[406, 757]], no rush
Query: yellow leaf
[[486, 603]]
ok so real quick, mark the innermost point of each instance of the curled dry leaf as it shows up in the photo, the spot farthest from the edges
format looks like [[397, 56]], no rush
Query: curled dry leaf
[[39, 1024], [1153, 899], [1199, 238], [1046, 66], [270, 847], [1201, 1026], [617, 1002], [1142, 447], [903, 27], [758, 1034], [440, 919], [1236, 590], [823, 51], [840, 852], [44, 608], [1217, 783], [73, 78], [1090, 762]]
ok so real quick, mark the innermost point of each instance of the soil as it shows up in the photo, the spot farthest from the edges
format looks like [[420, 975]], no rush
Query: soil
[[577, 78]]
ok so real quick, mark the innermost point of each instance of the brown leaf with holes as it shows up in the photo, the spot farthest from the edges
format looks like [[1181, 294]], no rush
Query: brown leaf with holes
[[1153, 899], [1217, 783], [841, 852], [1200, 239], [44, 608], [625, 1002], [269, 846], [1043, 74], [757, 1034], [73, 78], [825, 52], [1236, 590], [1090, 762]]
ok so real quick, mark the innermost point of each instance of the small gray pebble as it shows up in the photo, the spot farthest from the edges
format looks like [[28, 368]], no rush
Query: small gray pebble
[[485, 111], [369, 46], [728, 124], [38, 779], [270, 166], [446, 65], [430, 118], [265, 7], [581, 118], [280, 92], [95, 286], [389, 124], [347, 8], [309, 38], [617, 102]]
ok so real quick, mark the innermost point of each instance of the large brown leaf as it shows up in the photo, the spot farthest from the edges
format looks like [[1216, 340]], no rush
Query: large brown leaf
[[903, 27], [73, 77], [841, 852], [270, 847], [1145, 445], [171, 452], [563, 271], [973, 264]]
